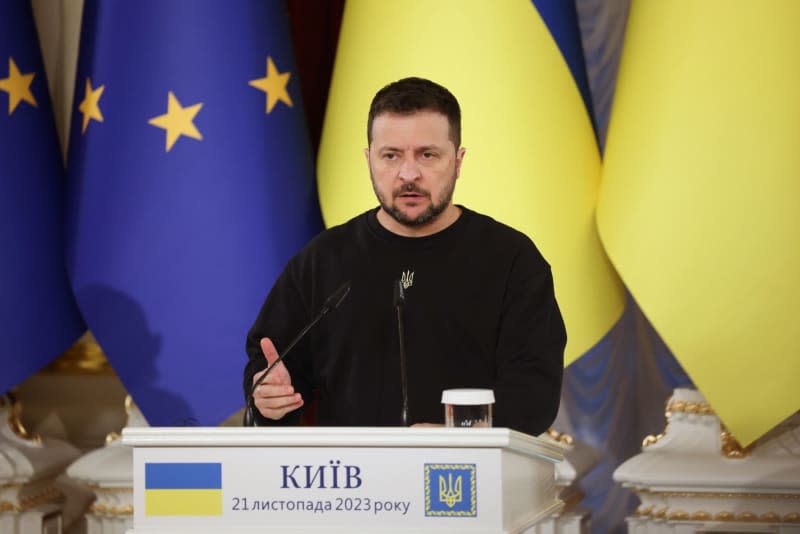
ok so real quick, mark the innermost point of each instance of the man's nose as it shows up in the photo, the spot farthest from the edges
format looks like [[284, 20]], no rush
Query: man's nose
[[409, 170]]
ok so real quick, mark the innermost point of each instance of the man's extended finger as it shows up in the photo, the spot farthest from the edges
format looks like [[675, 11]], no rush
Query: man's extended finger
[[268, 350], [279, 374]]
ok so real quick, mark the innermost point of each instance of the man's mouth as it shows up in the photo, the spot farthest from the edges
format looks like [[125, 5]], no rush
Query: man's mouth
[[411, 194]]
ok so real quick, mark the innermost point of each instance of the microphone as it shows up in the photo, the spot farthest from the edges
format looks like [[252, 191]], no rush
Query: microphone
[[399, 302], [331, 303]]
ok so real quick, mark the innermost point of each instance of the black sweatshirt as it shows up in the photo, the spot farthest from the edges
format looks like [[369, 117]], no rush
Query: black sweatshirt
[[479, 312]]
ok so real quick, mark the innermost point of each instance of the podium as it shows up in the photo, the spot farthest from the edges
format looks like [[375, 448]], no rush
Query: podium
[[336, 479]]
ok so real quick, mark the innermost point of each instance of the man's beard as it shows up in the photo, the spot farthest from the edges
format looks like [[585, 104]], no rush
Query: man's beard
[[434, 210]]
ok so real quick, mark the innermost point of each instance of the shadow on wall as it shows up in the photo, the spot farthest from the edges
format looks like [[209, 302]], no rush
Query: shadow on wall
[[133, 351]]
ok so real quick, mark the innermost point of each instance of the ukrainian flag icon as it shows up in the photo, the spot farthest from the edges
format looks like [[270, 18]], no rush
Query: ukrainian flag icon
[[183, 489]]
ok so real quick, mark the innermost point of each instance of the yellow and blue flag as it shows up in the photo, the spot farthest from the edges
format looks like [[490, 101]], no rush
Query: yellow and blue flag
[[183, 489], [191, 183], [698, 208], [532, 158], [37, 310]]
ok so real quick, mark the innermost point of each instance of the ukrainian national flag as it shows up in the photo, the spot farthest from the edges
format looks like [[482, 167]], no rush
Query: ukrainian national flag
[[699, 202], [190, 185], [532, 158], [37, 310], [183, 489]]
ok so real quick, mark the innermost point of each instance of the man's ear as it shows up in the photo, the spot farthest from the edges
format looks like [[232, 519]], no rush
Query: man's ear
[[459, 159]]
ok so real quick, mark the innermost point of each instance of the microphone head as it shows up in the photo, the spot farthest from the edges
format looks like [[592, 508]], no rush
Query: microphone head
[[399, 294], [337, 297]]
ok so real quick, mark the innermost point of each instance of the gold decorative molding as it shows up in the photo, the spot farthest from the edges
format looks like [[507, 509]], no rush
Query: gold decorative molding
[[688, 407], [726, 495], [652, 440], [702, 515], [101, 509], [557, 436], [84, 357], [113, 435], [49, 495], [15, 419], [731, 448], [97, 488], [678, 406], [678, 515], [644, 511]]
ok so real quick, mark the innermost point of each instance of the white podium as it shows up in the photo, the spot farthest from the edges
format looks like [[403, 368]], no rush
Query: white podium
[[204, 480]]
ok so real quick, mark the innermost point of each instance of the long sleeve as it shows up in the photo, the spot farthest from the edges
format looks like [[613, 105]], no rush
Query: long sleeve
[[530, 349], [282, 315]]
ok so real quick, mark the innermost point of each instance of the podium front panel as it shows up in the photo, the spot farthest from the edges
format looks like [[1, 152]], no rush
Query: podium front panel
[[317, 486]]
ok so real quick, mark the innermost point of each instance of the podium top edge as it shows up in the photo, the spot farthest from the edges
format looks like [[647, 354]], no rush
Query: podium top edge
[[438, 437]]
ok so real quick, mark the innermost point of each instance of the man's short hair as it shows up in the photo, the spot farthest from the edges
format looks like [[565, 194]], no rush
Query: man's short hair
[[410, 95]]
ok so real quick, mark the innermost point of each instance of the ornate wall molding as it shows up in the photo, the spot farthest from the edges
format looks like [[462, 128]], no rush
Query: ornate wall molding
[[695, 473]]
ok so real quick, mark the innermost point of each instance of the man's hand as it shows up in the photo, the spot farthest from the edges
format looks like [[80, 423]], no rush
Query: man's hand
[[275, 397]]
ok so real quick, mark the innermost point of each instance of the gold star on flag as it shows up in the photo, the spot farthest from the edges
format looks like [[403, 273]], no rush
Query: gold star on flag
[[90, 105], [274, 85], [18, 86], [177, 121]]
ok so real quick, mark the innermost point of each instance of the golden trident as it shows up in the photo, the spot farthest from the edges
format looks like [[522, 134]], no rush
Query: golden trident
[[448, 493]]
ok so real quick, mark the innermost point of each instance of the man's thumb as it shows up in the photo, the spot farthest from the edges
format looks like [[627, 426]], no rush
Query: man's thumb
[[268, 349]]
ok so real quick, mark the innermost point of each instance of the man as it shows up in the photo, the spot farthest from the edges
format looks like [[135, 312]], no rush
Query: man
[[479, 305]]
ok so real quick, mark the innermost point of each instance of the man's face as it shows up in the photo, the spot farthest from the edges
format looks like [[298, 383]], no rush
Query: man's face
[[413, 165]]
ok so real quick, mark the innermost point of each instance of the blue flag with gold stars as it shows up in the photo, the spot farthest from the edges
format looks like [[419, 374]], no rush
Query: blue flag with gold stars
[[37, 311], [190, 184]]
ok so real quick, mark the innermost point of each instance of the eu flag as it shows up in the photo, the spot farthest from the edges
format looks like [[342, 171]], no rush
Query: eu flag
[[37, 311], [190, 184]]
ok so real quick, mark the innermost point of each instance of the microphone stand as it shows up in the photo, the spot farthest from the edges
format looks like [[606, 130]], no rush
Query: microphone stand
[[399, 302]]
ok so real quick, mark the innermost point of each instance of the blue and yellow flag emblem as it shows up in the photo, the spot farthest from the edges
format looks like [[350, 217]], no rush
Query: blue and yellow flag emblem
[[450, 490], [183, 489]]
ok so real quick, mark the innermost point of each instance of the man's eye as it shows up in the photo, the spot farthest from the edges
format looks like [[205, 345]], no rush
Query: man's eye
[[428, 155], [390, 156]]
